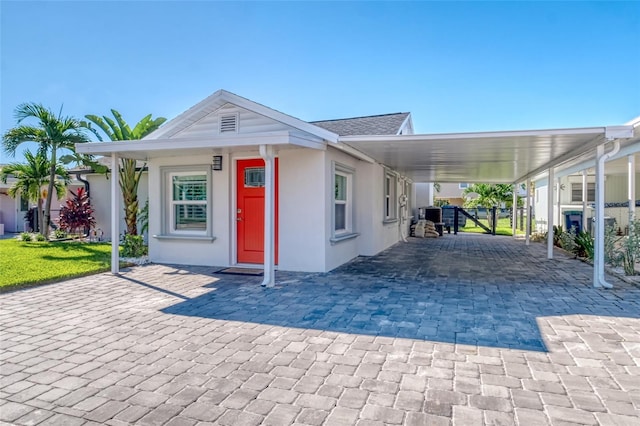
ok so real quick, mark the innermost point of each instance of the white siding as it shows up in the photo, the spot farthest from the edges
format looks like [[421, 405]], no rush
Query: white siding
[[8, 214], [248, 122]]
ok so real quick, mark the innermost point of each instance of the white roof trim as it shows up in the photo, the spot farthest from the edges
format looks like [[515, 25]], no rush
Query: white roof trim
[[214, 101], [493, 157], [140, 149]]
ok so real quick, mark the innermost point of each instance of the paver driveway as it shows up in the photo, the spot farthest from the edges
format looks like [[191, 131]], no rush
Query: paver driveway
[[463, 329]]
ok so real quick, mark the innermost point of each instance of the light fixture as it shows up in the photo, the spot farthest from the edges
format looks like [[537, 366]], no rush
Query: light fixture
[[217, 162]]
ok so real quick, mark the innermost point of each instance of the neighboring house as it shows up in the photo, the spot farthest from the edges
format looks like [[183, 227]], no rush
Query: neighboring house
[[13, 210], [451, 193], [333, 203], [616, 191]]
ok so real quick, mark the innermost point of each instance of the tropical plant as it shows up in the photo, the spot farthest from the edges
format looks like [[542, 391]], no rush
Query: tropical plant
[[31, 177], [129, 173], [53, 134], [623, 251], [133, 246], [488, 195], [77, 213], [143, 218], [25, 236], [584, 245]]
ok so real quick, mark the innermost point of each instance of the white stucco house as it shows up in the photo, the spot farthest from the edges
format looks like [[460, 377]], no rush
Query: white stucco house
[[332, 203], [232, 182]]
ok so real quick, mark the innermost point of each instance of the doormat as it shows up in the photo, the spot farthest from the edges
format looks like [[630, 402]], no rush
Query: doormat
[[240, 271]]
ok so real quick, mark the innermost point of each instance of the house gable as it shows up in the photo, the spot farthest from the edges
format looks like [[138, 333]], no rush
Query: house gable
[[203, 119], [231, 119]]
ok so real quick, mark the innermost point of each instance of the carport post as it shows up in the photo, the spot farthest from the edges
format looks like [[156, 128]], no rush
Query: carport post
[[527, 236], [584, 200], [559, 199], [267, 154], [115, 232], [598, 255], [549, 215], [632, 189], [514, 210]]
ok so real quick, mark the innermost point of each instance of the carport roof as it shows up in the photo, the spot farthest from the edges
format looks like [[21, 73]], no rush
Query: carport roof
[[493, 157]]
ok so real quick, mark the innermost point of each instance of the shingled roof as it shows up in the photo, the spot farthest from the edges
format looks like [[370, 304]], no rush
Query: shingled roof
[[384, 124]]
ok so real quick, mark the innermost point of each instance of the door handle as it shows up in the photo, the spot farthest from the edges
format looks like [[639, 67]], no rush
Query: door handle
[[238, 218]]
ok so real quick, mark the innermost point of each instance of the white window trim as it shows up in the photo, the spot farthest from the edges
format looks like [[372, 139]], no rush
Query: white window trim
[[348, 232], [167, 203], [391, 197], [463, 185]]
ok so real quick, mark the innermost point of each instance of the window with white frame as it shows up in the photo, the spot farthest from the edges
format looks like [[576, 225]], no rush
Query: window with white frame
[[390, 186], [342, 200], [576, 192], [463, 185], [187, 202]]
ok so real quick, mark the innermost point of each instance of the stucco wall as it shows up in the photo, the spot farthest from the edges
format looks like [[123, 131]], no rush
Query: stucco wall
[[301, 210], [188, 251], [100, 192]]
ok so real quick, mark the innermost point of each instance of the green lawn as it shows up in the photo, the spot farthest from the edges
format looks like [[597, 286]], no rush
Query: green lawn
[[503, 228], [41, 262]]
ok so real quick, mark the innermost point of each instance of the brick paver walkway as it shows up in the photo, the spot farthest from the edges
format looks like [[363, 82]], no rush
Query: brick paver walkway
[[463, 330]]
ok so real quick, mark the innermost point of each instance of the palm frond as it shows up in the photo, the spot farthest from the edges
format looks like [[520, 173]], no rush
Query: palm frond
[[125, 130]]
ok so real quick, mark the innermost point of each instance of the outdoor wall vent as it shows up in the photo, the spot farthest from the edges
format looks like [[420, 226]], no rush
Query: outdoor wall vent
[[229, 123]]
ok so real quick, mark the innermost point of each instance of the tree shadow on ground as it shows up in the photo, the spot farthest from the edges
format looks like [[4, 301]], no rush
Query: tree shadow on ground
[[446, 291]]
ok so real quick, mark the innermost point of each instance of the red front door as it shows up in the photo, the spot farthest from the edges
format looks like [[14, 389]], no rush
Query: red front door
[[250, 211]]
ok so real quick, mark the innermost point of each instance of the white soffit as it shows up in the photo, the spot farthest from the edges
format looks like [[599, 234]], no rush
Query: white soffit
[[493, 157]]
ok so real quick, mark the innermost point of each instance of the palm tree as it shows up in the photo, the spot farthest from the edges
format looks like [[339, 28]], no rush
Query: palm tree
[[53, 133], [31, 177], [119, 130], [488, 196]]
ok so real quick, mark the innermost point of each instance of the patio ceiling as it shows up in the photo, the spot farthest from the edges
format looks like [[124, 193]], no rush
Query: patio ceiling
[[493, 157]]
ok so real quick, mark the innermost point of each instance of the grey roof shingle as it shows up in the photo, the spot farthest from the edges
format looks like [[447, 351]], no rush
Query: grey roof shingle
[[384, 124]]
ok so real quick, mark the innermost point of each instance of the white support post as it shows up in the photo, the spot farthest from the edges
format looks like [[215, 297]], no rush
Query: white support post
[[584, 200], [115, 222], [598, 261], [550, 215], [514, 210], [632, 189], [559, 201], [266, 152], [527, 236]]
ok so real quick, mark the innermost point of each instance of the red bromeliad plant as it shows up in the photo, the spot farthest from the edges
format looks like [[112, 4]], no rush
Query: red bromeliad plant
[[77, 213]]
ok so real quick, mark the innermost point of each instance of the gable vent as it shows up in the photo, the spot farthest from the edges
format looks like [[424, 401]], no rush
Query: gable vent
[[229, 123]]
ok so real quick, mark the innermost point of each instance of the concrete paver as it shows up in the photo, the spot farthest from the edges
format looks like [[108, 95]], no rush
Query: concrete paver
[[460, 330]]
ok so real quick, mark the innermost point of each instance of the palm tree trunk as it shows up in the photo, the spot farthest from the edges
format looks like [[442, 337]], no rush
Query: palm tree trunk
[[47, 205], [39, 219]]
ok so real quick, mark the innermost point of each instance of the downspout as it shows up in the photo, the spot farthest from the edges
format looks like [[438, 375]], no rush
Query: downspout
[[598, 263], [87, 188]]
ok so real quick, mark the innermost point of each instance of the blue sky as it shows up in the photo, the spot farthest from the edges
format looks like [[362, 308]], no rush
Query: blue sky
[[456, 66]]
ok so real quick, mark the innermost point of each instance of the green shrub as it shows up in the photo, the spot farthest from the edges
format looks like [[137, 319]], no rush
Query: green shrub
[[584, 245], [59, 233], [40, 237], [624, 251], [568, 240], [25, 236], [133, 246]]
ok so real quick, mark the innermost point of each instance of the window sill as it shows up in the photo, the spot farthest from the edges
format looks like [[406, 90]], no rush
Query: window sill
[[388, 221], [343, 237], [205, 239]]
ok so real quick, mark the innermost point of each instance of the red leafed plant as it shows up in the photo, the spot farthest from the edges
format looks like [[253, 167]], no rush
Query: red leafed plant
[[77, 213]]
